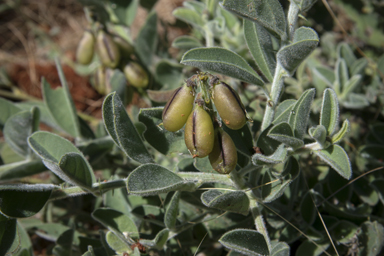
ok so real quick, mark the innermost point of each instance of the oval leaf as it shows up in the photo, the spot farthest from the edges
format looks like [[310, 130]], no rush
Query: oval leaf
[[20, 170], [329, 115], [222, 61], [283, 133], [245, 241], [22, 200], [186, 42], [260, 45], [236, 201], [172, 211], [150, 179], [122, 130], [337, 158], [304, 42], [7, 109]]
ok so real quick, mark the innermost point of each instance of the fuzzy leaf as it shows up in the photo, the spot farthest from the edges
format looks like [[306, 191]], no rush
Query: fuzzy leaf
[[267, 145], [351, 85], [277, 157], [22, 200], [146, 40], [186, 42], [325, 74], [372, 238], [158, 242], [18, 128], [260, 45], [120, 224], [319, 133], [344, 231], [150, 179], [236, 201], [304, 5], [122, 130], [345, 52], [189, 16], [222, 61], [337, 158], [329, 115], [299, 115], [62, 158], [172, 211], [269, 14], [60, 104], [283, 111], [162, 140], [276, 189], [7, 109], [169, 75], [341, 75], [356, 101], [116, 243], [246, 241], [283, 133], [341, 133], [280, 249], [304, 42], [8, 234], [125, 11], [358, 66]]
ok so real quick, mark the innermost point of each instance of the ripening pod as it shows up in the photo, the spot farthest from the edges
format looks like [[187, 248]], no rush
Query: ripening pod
[[223, 157], [126, 49], [229, 106], [85, 49], [108, 51], [136, 75], [199, 133], [178, 108]]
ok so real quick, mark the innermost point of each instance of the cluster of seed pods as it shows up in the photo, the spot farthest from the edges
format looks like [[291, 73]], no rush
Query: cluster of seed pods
[[203, 134], [113, 52]]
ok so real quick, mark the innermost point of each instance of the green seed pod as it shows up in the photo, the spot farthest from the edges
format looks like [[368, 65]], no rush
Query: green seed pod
[[107, 49], [229, 106], [178, 108], [85, 49], [136, 75], [126, 49], [101, 80], [199, 133], [223, 157]]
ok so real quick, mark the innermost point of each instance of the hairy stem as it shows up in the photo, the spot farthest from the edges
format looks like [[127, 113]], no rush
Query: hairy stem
[[293, 13]]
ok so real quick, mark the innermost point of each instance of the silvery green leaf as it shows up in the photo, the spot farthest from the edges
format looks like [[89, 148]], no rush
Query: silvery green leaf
[[345, 52], [172, 211], [283, 133], [274, 190], [299, 114], [356, 101], [319, 133], [18, 128], [7, 109], [329, 115], [260, 45], [351, 85], [280, 249], [24, 200], [60, 104], [162, 140], [277, 157], [304, 42], [122, 130], [146, 40], [158, 242], [341, 75], [186, 42], [189, 15], [304, 5], [63, 158], [230, 20], [283, 111], [371, 237], [246, 241], [324, 74], [151, 179], [269, 14], [21, 169], [116, 243], [341, 133], [197, 6], [234, 201], [358, 66], [337, 158], [222, 61]]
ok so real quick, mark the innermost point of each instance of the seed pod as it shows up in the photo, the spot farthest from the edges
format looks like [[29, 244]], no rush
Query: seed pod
[[199, 133], [223, 157], [126, 49], [136, 75], [107, 49], [229, 106], [178, 108], [85, 49]]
